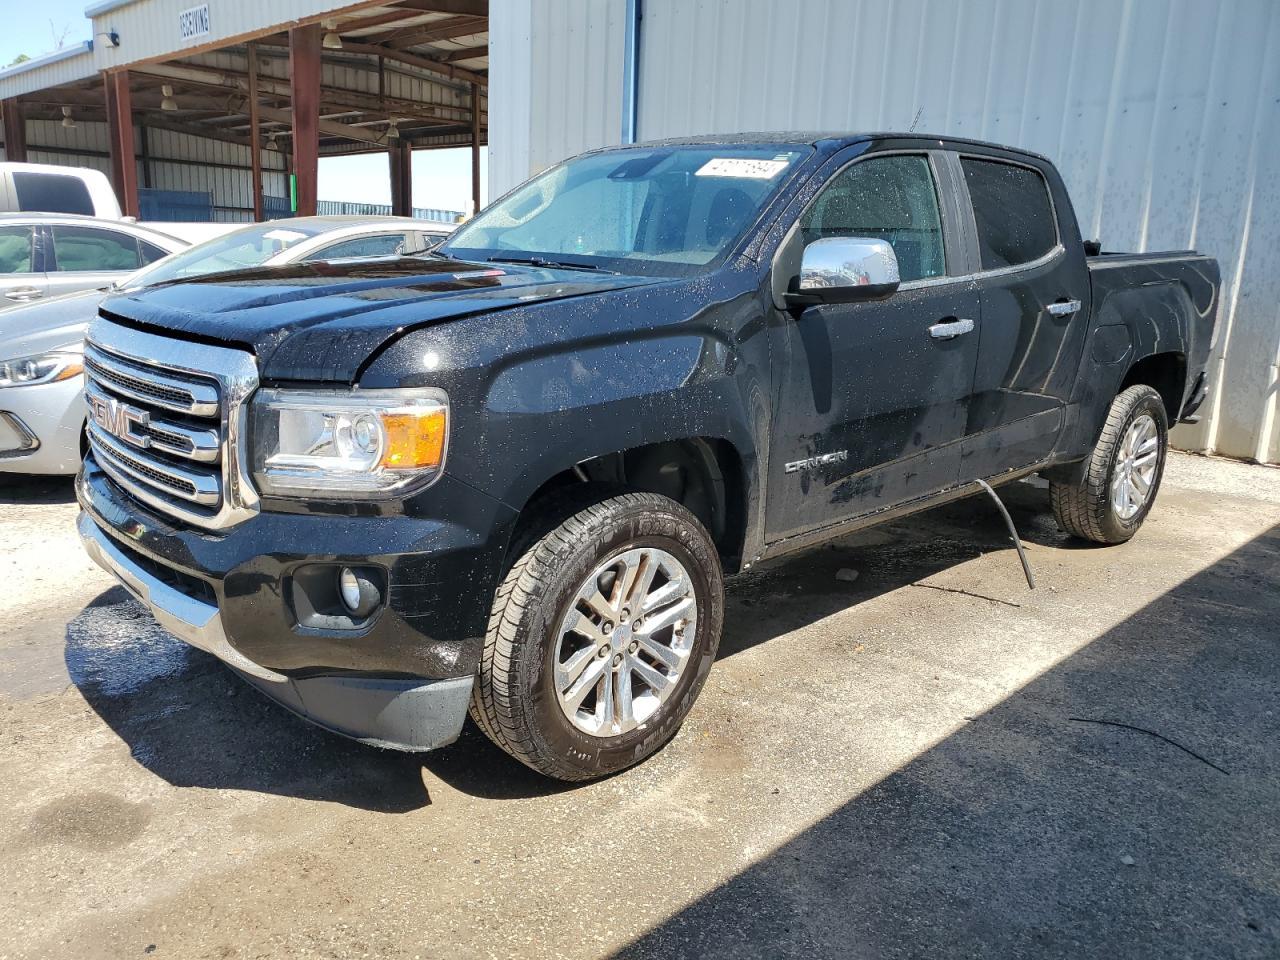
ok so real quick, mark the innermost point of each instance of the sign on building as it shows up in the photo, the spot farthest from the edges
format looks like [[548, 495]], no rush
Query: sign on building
[[194, 22]]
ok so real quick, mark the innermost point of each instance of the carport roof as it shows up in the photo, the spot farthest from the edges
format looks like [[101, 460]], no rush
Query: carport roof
[[413, 62]]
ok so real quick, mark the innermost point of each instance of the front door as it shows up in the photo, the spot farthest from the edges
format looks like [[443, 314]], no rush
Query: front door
[[872, 397]]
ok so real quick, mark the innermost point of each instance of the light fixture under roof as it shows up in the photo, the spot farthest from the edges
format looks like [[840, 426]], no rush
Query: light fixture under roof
[[393, 129], [331, 39], [66, 118], [271, 140], [167, 103]]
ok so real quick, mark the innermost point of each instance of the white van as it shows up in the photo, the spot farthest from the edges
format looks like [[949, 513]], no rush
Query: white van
[[43, 188]]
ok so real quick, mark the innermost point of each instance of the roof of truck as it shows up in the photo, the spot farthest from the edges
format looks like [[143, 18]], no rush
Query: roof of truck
[[812, 137]]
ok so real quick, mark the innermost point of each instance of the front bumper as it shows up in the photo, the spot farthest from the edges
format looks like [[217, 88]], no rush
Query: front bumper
[[386, 712], [40, 427], [403, 681]]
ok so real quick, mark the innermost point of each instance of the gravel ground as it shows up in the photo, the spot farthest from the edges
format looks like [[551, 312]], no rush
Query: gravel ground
[[928, 761]]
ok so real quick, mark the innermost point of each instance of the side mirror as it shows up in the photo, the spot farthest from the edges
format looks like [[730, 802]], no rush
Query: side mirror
[[845, 270]]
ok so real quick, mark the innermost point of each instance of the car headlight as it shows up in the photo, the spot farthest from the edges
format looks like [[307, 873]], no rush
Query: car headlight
[[346, 443], [61, 364]]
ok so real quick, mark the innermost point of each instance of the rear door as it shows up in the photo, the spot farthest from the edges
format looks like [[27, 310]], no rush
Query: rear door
[[22, 277], [1034, 289], [84, 258], [872, 397]]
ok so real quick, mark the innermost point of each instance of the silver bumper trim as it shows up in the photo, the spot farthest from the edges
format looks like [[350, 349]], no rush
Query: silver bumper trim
[[191, 620]]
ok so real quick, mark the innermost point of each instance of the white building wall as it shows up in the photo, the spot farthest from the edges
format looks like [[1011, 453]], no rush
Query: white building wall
[[1163, 115], [555, 80]]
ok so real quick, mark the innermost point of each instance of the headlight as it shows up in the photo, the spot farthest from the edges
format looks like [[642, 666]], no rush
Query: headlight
[[346, 443], [61, 364]]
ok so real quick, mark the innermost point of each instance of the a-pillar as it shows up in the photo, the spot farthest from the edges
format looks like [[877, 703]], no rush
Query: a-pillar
[[124, 162], [304, 71]]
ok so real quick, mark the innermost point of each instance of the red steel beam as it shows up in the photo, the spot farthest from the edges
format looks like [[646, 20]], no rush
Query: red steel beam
[[255, 133], [15, 131], [124, 164], [400, 154], [304, 72], [475, 148]]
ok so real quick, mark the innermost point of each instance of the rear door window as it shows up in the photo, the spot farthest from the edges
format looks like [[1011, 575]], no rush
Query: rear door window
[[52, 193], [1013, 212], [16, 253], [84, 249], [378, 245]]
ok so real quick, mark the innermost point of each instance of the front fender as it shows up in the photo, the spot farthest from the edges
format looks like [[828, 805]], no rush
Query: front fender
[[536, 390]]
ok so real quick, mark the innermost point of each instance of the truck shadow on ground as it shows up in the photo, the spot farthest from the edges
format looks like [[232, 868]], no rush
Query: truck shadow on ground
[[193, 723], [30, 490], [1043, 828]]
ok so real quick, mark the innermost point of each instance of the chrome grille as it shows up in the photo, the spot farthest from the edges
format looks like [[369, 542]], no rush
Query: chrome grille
[[166, 422]]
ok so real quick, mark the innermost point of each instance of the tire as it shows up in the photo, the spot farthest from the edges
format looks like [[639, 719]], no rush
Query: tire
[[517, 701], [1088, 508]]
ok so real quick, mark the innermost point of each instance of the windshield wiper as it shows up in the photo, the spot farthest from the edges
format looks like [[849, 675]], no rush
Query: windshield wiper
[[541, 262]]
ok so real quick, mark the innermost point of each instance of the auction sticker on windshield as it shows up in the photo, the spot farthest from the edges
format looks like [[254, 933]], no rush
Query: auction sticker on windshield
[[744, 167]]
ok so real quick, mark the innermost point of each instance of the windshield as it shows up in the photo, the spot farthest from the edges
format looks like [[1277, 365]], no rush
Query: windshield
[[663, 210], [249, 247]]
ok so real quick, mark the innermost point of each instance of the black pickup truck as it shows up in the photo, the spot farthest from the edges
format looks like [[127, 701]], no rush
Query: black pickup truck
[[511, 475]]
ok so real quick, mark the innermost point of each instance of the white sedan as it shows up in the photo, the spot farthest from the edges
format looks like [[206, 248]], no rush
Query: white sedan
[[41, 344]]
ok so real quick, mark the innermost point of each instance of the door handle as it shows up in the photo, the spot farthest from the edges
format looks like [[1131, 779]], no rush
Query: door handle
[[23, 294], [950, 329], [1064, 308]]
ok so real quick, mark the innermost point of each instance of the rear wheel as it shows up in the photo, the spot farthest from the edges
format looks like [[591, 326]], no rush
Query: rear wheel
[[1121, 477], [601, 637]]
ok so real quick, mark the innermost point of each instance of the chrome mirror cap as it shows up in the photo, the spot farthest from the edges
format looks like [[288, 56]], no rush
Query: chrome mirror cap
[[844, 270]]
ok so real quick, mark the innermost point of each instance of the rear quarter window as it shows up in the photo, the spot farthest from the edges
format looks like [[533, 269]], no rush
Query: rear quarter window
[[1013, 212], [52, 193]]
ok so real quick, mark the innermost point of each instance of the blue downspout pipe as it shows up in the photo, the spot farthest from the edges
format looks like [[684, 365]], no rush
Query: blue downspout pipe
[[631, 71]]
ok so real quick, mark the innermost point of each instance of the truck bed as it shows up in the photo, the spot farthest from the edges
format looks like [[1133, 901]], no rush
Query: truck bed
[[1167, 299]]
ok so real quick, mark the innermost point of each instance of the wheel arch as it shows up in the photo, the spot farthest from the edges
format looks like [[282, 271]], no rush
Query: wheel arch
[[1166, 373], [706, 475]]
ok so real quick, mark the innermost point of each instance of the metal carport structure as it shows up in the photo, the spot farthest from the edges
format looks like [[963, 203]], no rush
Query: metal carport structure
[[235, 98]]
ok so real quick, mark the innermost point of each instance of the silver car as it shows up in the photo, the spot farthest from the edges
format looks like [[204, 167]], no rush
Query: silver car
[[41, 345], [46, 254]]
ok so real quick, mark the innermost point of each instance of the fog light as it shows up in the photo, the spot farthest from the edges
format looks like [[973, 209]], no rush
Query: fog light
[[359, 593], [349, 587]]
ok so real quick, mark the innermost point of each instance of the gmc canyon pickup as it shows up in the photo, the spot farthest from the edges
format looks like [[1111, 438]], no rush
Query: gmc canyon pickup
[[508, 477]]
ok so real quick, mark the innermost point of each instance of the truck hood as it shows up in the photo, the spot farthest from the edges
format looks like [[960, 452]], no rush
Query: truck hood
[[323, 321]]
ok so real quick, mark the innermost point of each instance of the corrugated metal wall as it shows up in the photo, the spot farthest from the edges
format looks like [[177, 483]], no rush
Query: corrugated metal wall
[[177, 161], [1163, 115], [555, 81]]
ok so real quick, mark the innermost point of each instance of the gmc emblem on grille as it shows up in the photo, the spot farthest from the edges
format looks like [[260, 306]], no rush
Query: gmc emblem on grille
[[120, 419]]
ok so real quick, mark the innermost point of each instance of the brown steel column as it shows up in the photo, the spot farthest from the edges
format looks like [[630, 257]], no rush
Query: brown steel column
[[304, 68], [15, 131], [475, 148], [124, 163], [255, 134], [400, 154]]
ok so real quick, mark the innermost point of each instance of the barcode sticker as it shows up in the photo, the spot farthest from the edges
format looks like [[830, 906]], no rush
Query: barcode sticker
[[285, 236], [742, 167]]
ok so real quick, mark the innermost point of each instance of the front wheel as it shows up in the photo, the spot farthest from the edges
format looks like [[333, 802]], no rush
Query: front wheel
[[1122, 475], [601, 637]]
